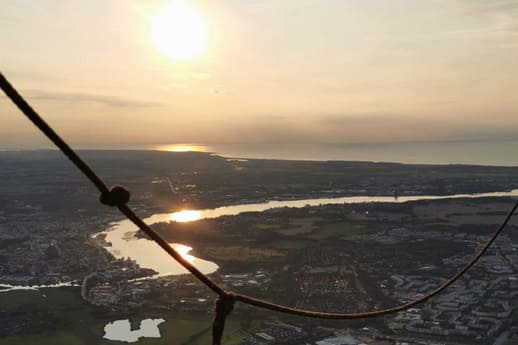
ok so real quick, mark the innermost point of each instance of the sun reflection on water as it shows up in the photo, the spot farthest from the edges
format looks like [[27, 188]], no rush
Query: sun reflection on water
[[183, 148], [186, 216], [184, 250]]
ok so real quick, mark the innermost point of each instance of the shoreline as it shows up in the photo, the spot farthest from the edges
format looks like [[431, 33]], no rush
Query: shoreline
[[128, 235]]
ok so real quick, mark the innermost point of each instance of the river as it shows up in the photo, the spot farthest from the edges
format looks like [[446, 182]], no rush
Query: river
[[147, 254]]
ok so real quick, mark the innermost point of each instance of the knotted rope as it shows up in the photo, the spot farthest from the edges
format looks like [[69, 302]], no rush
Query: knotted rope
[[118, 196]]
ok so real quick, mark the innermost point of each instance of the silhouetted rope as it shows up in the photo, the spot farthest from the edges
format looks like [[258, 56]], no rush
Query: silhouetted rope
[[119, 196], [49, 132], [392, 310], [224, 305]]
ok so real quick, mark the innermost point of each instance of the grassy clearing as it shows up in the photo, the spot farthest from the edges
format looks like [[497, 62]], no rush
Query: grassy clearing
[[298, 227], [58, 299], [175, 331], [295, 244], [78, 323], [73, 321], [232, 335], [193, 331], [267, 226], [240, 253], [59, 338], [338, 229], [440, 225], [292, 231]]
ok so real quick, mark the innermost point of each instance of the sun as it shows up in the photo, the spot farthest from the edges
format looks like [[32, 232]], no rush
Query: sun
[[179, 31]]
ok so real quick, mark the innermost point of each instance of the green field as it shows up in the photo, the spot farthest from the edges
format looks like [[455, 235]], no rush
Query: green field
[[75, 322], [267, 226], [59, 338], [338, 229]]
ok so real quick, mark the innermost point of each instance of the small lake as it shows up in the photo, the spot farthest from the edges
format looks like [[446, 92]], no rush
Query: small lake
[[147, 253], [121, 330]]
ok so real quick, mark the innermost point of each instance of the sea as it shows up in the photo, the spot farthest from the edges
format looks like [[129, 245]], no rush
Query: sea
[[497, 153]]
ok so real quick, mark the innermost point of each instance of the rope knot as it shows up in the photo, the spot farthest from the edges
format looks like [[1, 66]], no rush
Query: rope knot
[[223, 307], [116, 196]]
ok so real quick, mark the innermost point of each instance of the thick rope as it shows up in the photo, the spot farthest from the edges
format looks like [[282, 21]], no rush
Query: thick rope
[[381, 312], [17, 99], [170, 250], [223, 307], [118, 196]]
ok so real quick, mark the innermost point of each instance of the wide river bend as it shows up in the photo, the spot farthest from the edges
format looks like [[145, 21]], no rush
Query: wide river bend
[[147, 254]]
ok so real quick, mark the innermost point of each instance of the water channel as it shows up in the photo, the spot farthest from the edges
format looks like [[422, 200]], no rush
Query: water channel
[[147, 254]]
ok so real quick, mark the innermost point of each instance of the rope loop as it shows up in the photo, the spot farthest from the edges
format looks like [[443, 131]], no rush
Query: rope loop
[[119, 196], [116, 196], [223, 307]]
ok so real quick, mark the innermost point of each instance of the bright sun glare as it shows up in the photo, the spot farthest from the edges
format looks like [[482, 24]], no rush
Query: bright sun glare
[[179, 31], [182, 148], [186, 216], [184, 252]]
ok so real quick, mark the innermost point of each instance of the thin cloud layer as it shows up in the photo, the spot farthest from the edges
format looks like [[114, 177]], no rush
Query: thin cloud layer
[[89, 98], [291, 71]]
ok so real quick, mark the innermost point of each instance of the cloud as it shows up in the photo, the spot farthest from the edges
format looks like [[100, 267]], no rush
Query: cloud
[[500, 18], [503, 6], [7, 20], [30, 75], [88, 98], [497, 30], [379, 127]]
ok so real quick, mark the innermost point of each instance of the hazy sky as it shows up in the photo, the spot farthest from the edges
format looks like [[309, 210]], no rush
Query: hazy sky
[[273, 71]]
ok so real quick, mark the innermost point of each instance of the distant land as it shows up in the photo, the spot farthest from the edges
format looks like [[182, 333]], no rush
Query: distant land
[[477, 152], [326, 256]]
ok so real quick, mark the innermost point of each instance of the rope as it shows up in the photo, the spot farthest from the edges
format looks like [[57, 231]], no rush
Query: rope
[[118, 196], [49, 133], [381, 312], [223, 307]]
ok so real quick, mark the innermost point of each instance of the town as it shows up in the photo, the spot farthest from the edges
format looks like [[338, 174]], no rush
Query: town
[[332, 257]]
